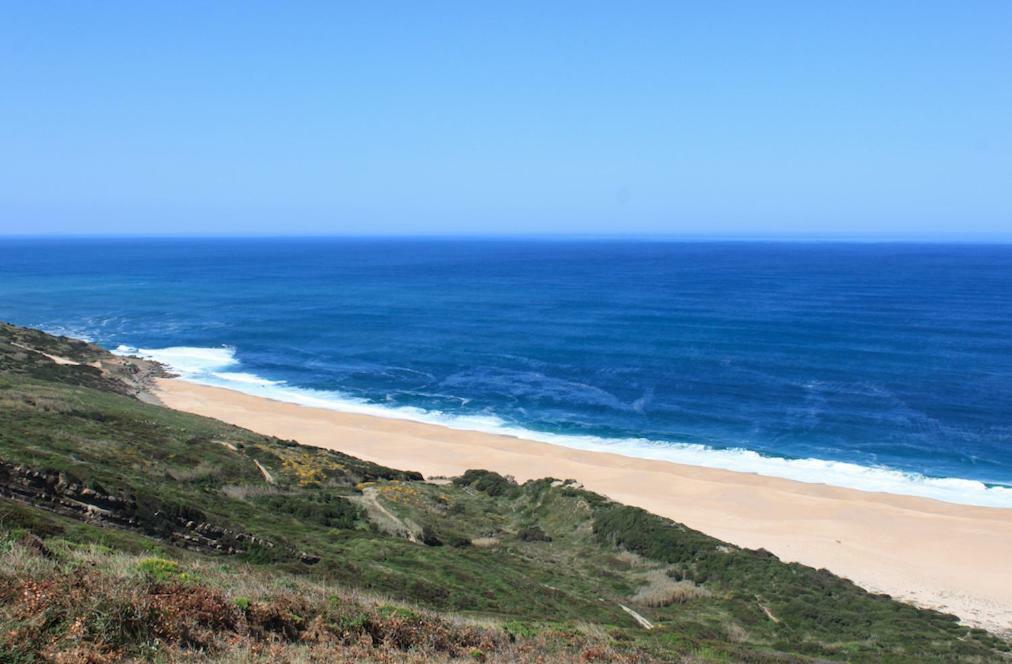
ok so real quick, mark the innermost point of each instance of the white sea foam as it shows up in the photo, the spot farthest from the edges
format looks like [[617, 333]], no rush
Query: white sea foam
[[245, 378], [205, 366], [187, 361]]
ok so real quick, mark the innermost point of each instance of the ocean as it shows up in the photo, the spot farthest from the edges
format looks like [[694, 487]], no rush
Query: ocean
[[885, 367]]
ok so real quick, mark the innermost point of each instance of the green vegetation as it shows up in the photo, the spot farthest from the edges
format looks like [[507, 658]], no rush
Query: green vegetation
[[159, 569], [324, 509], [128, 530]]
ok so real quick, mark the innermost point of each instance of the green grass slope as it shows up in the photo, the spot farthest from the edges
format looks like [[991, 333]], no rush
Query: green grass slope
[[129, 530]]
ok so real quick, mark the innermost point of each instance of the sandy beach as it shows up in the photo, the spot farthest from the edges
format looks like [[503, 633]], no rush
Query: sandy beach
[[952, 557]]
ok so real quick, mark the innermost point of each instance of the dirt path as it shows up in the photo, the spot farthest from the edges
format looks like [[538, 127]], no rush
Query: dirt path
[[769, 614], [382, 517], [54, 358], [266, 473], [644, 623]]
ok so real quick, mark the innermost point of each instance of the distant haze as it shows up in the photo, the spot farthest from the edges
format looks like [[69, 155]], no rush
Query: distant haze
[[863, 119]]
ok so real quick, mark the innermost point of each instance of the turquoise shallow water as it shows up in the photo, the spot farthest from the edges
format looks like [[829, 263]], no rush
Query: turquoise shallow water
[[879, 366]]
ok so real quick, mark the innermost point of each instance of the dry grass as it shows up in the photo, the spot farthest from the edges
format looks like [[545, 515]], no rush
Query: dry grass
[[91, 604], [203, 470], [735, 633], [630, 560], [661, 590], [35, 402], [246, 491]]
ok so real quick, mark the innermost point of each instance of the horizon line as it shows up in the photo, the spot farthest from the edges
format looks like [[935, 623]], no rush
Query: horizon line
[[781, 237]]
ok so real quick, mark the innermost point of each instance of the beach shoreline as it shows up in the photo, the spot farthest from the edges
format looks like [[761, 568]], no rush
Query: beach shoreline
[[935, 554]]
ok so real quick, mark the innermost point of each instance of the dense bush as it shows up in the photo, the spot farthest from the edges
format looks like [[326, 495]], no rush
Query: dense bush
[[430, 538], [649, 535], [488, 482], [322, 508]]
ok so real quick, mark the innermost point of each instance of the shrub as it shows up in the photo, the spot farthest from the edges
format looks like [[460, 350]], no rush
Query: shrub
[[429, 537], [388, 611], [159, 569], [324, 509], [488, 482], [518, 629], [667, 594], [533, 534]]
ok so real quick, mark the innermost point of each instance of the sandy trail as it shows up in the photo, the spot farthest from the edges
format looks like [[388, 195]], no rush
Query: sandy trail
[[956, 558], [263, 471], [384, 518], [54, 358]]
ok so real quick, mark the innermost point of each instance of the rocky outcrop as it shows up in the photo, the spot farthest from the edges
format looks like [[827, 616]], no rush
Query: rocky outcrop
[[65, 494]]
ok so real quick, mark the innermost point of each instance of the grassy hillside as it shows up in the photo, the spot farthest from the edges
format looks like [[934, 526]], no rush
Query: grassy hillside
[[128, 530]]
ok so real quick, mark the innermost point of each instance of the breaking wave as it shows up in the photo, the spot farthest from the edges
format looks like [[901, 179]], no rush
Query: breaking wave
[[216, 367]]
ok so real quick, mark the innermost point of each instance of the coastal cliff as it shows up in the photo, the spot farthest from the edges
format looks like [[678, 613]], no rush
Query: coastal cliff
[[132, 531]]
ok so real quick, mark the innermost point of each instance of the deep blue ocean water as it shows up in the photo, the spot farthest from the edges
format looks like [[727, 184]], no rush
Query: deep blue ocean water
[[879, 366]]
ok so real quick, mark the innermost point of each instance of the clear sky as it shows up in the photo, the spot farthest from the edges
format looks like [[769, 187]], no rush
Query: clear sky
[[475, 117]]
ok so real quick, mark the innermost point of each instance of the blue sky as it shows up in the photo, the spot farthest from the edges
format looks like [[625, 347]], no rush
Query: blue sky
[[862, 118]]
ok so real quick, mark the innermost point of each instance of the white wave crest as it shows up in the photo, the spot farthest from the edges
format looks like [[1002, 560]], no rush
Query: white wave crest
[[245, 378], [187, 361], [204, 365]]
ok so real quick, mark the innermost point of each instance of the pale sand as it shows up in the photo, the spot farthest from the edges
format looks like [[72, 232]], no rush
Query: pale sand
[[955, 558]]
